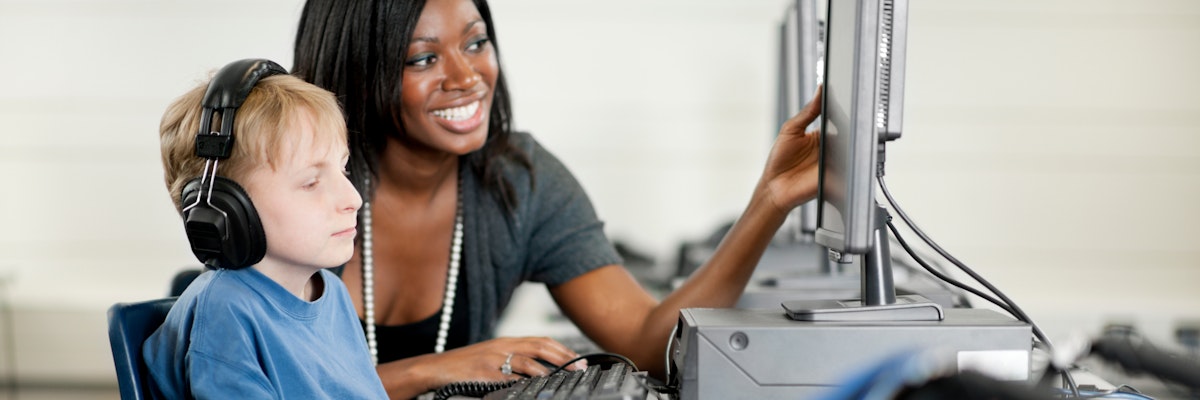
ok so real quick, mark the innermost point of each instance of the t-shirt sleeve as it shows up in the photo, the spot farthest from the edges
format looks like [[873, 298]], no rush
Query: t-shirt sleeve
[[222, 359], [214, 378], [567, 238]]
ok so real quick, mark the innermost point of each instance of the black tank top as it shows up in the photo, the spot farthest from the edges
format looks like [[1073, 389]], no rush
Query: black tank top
[[396, 342]]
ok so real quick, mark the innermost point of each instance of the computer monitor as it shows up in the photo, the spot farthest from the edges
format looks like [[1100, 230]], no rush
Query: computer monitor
[[800, 53], [723, 353], [862, 107]]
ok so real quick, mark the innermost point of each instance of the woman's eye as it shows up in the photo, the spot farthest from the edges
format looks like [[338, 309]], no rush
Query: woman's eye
[[421, 60], [478, 44], [311, 184]]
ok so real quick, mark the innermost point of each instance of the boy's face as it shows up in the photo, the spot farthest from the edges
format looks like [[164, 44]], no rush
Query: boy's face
[[306, 203]]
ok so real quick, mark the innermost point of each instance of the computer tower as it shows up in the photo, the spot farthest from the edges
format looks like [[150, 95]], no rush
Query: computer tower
[[725, 353]]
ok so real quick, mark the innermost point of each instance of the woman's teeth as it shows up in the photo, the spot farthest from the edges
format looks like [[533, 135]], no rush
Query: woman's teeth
[[458, 113]]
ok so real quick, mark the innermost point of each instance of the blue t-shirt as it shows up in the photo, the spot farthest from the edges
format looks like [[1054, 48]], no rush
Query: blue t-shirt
[[239, 334]]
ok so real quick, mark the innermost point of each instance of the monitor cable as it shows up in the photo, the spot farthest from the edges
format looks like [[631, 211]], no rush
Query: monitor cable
[[943, 277], [1013, 308], [960, 300]]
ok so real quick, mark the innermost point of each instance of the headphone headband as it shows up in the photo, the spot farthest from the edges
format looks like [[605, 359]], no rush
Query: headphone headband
[[226, 92]]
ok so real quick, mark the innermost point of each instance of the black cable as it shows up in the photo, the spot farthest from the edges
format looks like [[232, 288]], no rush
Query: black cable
[[1137, 354], [935, 265], [960, 300], [590, 356], [653, 388], [939, 275], [1016, 310]]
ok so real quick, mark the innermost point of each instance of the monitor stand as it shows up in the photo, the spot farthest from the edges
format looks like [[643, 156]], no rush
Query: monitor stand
[[797, 271], [802, 265], [799, 262], [878, 299]]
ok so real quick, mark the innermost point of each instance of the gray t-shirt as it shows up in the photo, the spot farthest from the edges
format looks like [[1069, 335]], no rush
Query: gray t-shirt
[[552, 236]]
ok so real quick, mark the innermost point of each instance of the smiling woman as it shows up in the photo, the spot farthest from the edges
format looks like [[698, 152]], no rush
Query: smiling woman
[[448, 78], [460, 209]]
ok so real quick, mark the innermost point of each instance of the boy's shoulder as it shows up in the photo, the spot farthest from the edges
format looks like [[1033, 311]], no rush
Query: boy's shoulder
[[220, 291], [246, 293]]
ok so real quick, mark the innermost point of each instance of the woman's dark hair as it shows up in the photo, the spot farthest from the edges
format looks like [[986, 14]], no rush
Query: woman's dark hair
[[356, 49]]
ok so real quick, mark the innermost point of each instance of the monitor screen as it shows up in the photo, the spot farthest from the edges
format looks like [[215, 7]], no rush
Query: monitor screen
[[863, 95]]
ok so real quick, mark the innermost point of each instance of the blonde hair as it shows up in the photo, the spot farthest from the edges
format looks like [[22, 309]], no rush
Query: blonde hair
[[264, 127]]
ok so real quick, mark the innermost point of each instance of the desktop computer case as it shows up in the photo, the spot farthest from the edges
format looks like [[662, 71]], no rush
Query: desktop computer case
[[761, 354]]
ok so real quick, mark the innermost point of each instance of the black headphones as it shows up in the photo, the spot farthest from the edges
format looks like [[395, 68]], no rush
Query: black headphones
[[221, 223]]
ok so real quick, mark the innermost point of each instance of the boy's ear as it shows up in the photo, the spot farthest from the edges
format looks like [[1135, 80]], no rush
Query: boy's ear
[[223, 227]]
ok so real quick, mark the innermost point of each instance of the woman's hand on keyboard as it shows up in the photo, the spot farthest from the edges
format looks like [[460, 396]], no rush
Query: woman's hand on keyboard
[[485, 361]]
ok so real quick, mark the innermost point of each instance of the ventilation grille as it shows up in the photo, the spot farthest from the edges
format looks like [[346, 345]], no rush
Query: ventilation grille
[[887, 9]]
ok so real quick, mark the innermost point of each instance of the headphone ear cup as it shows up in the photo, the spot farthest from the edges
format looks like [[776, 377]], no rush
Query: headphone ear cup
[[224, 230]]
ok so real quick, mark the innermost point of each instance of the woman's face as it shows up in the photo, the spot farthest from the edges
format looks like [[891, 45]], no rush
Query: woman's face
[[449, 75]]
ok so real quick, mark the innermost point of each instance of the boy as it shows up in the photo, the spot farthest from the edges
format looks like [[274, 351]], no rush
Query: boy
[[283, 327]]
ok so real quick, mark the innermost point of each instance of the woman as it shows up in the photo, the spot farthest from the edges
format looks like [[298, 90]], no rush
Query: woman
[[460, 209]]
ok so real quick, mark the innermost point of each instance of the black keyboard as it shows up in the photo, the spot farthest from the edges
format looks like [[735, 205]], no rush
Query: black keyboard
[[617, 382]]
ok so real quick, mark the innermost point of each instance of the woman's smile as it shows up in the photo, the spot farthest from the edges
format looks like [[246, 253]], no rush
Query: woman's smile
[[462, 119]]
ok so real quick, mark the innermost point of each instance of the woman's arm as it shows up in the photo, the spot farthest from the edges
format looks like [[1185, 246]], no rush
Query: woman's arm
[[616, 313]]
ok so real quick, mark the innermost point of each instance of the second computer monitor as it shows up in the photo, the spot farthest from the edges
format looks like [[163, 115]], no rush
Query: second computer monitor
[[799, 74], [863, 98]]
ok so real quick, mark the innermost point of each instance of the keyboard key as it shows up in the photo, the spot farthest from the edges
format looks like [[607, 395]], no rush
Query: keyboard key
[[568, 385], [611, 380], [586, 383], [531, 390], [552, 384]]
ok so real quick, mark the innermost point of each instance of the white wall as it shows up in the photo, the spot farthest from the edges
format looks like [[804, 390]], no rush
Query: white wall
[[1051, 145]]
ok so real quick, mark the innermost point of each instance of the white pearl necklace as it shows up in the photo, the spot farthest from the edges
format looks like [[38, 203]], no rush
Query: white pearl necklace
[[368, 278]]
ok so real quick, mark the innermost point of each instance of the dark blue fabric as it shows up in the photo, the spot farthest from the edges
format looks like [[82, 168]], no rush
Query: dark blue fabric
[[239, 334], [129, 324]]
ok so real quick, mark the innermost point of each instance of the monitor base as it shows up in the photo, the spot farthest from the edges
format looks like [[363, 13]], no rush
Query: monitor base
[[906, 308]]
